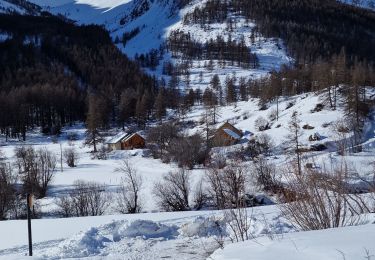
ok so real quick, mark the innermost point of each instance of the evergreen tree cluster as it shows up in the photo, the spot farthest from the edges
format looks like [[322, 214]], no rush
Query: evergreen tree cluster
[[311, 29], [181, 43], [48, 66]]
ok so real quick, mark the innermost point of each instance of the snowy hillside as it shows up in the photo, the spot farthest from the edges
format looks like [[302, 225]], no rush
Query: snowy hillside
[[19, 7], [370, 4], [313, 120], [154, 21], [7, 7], [189, 235]]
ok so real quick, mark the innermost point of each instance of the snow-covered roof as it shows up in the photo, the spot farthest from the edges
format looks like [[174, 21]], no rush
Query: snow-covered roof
[[118, 138], [232, 134], [122, 137]]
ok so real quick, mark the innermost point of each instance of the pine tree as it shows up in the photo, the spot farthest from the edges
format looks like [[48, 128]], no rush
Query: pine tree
[[215, 82], [231, 91]]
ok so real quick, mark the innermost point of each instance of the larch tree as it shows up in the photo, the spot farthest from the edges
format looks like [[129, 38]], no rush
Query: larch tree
[[294, 138], [94, 121]]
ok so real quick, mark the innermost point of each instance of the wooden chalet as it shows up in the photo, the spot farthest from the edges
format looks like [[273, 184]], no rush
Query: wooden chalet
[[226, 135], [127, 141]]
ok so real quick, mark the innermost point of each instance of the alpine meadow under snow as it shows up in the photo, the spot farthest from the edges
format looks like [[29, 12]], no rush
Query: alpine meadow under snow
[[258, 123]]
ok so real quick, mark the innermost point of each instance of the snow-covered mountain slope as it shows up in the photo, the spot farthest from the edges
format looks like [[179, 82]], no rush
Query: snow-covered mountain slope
[[6, 7], [154, 21], [370, 4], [19, 7], [120, 16]]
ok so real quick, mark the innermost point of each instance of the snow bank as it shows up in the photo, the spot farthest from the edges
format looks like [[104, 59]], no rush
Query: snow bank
[[146, 229], [204, 227], [348, 243], [83, 244]]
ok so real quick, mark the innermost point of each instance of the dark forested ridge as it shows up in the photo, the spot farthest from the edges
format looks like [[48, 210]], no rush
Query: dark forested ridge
[[48, 66], [311, 29]]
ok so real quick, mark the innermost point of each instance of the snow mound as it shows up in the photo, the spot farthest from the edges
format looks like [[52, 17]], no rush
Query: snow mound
[[84, 244], [350, 243], [145, 229], [204, 227]]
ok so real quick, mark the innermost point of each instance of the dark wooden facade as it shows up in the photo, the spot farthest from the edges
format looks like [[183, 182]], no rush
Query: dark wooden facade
[[128, 142], [226, 135], [133, 142]]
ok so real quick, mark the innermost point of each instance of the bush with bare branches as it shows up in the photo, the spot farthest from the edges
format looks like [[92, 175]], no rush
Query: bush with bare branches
[[261, 124], [200, 195], [239, 223], [36, 169], [322, 200], [173, 191], [264, 174], [85, 199], [71, 156], [226, 186]]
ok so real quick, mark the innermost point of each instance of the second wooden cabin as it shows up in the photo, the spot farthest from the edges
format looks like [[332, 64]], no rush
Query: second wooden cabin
[[226, 135], [127, 141]]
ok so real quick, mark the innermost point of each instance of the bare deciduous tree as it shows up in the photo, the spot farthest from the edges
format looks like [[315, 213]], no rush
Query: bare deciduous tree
[[47, 168], [36, 169], [173, 191], [7, 191], [227, 186], [128, 199]]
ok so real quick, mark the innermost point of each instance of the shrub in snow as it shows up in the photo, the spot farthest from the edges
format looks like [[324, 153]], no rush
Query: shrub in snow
[[321, 199], [264, 174], [272, 115], [315, 137], [238, 221], [36, 169], [262, 124], [289, 105], [307, 127], [319, 107], [260, 144], [263, 106], [226, 187], [173, 191], [71, 156], [245, 115], [85, 199]]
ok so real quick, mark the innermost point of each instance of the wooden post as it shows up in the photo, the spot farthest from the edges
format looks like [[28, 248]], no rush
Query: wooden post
[[29, 205]]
